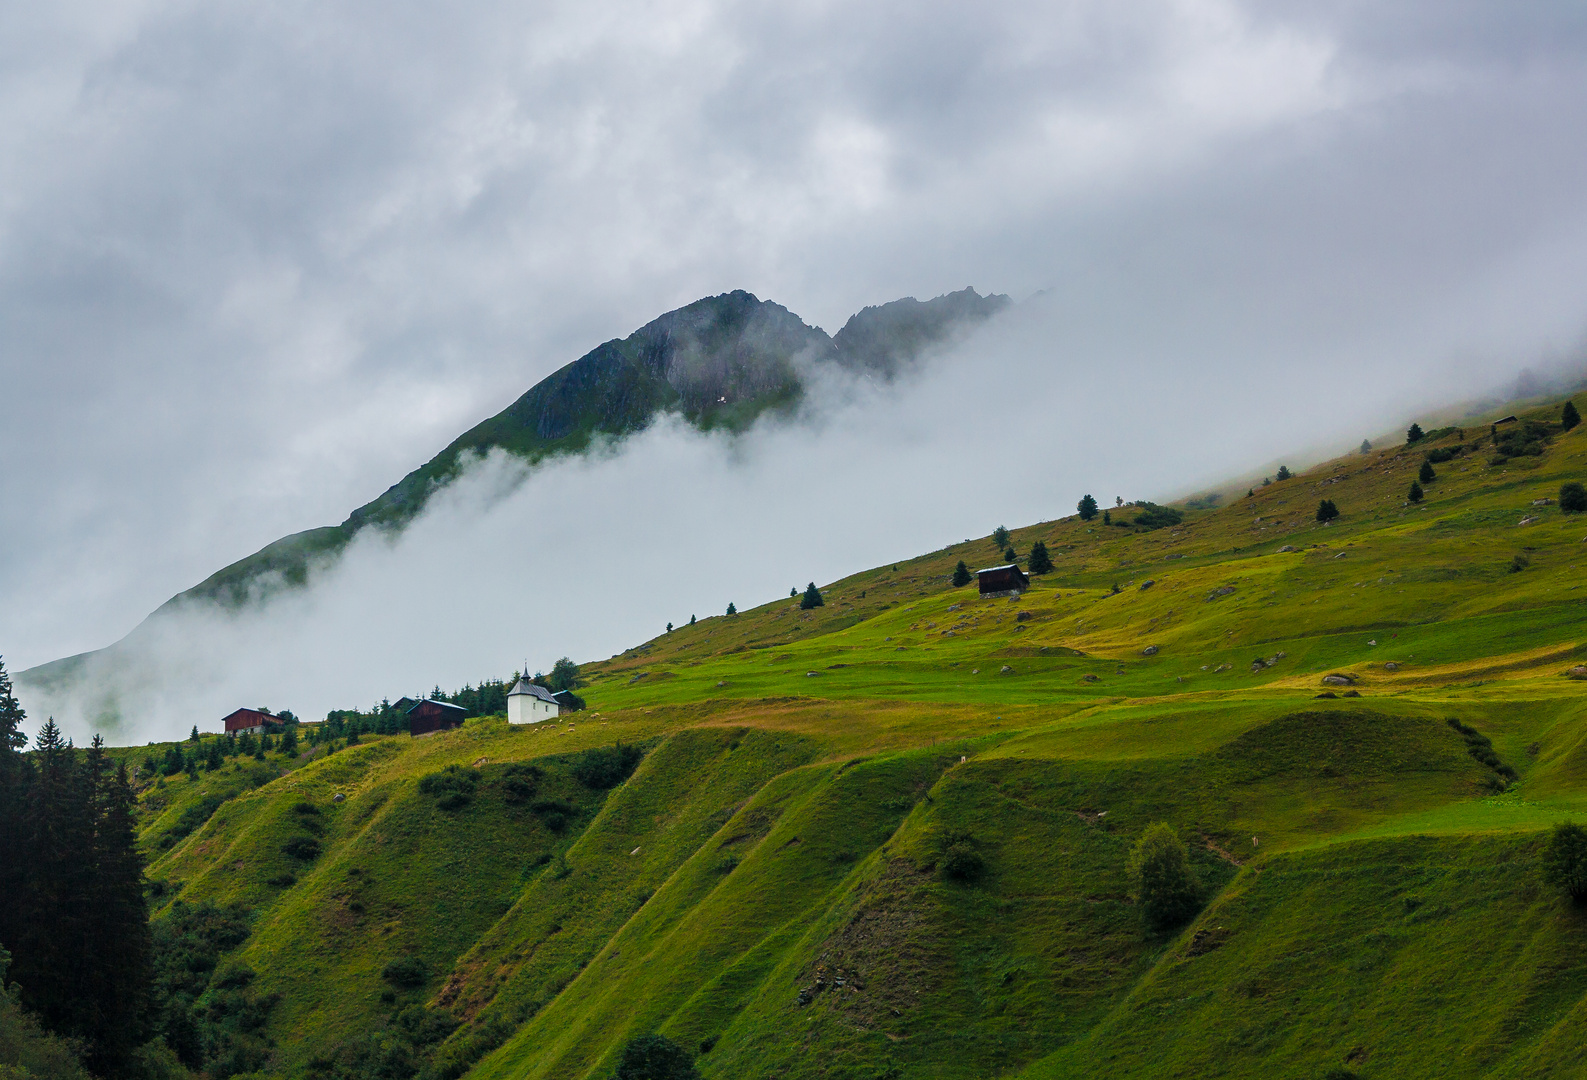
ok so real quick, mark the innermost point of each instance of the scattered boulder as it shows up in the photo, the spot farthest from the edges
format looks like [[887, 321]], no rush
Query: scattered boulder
[[1529, 520], [1351, 693], [1287, 548], [1577, 672], [1148, 583], [1281, 654], [1023, 616], [1175, 555], [1325, 694], [338, 797], [1150, 650], [1090, 678], [1221, 591], [1391, 666], [954, 607], [1542, 502], [1006, 670], [811, 674], [1336, 679]]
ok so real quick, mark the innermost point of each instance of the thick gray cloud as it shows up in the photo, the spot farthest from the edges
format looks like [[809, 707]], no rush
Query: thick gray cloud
[[255, 263]]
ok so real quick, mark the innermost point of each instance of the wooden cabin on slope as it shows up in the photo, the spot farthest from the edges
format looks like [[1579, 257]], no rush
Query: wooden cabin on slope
[[249, 722], [428, 717], [1007, 580]]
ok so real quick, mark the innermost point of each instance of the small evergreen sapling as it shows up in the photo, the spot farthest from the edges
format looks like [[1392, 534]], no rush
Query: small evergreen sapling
[[1365, 446], [1164, 883], [1426, 474], [811, 598], [1327, 511], [1010, 555], [1413, 434], [691, 620], [1000, 537], [1573, 498], [1040, 562], [1415, 494], [1569, 417], [731, 610], [961, 575], [1107, 517], [1087, 507]]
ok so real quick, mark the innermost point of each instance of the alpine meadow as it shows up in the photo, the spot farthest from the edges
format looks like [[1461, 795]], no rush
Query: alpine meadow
[[1289, 781]]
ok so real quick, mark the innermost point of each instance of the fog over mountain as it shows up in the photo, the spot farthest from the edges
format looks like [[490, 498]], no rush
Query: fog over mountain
[[255, 266]]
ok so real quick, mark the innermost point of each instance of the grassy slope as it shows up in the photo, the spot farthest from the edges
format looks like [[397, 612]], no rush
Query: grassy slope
[[809, 767]]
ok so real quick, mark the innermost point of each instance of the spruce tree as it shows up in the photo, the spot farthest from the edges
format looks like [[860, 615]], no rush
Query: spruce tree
[[1327, 511], [961, 575], [1107, 517], [1040, 562], [192, 736], [1284, 473], [811, 598], [1415, 494], [1426, 474], [1568, 416], [731, 610], [691, 620], [1573, 498], [1087, 507], [1000, 537], [1010, 556], [1365, 446], [1413, 434]]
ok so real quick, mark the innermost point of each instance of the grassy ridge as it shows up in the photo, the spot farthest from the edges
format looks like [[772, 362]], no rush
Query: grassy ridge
[[769, 889]]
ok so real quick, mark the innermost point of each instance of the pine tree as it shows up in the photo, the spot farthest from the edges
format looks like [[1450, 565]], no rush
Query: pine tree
[[1040, 562], [1413, 434], [1087, 507], [691, 620], [1365, 446], [731, 610], [1426, 474], [1572, 498], [1267, 481], [669, 628], [961, 575], [1107, 517], [1569, 417], [192, 736], [1327, 511], [1010, 556], [1284, 473], [1000, 537], [1415, 494], [121, 971], [15, 773], [811, 598]]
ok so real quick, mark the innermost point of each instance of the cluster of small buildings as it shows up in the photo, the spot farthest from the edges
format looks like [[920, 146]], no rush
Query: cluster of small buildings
[[527, 703]]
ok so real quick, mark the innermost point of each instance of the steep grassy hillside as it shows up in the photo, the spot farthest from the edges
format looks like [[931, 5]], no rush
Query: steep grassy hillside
[[887, 837]]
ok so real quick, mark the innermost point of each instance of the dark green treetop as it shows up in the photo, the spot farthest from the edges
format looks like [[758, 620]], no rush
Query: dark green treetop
[[1413, 433], [1040, 562], [811, 598], [1087, 507], [961, 574], [1415, 494]]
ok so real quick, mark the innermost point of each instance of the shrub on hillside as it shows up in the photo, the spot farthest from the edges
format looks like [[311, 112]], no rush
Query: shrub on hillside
[[1526, 439], [655, 1057], [961, 575], [554, 814], [1087, 507], [604, 767], [1161, 877], [1440, 454], [1565, 860], [407, 972], [1040, 561], [1519, 563], [302, 848], [1152, 516], [1573, 498], [961, 862], [453, 787]]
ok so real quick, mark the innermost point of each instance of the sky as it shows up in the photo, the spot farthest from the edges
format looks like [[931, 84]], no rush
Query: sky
[[257, 262]]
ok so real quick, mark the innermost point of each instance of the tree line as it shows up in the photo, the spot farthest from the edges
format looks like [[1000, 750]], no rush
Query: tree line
[[73, 916]]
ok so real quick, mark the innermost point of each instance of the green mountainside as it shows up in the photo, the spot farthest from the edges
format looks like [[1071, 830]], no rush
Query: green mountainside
[[720, 363], [888, 836]]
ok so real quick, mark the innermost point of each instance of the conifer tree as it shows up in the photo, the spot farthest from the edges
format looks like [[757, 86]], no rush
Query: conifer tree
[[192, 736], [961, 575], [1040, 562], [1413, 434], [1107, 517], [1010, 556], [691, 620], [1415, 494], [1327, 511], [1568, 416], [731, 610], [1365, 446], [1087, 507], [1284, 473], [1000, 537], [1426, 474], [1573, 498], [811, 598]]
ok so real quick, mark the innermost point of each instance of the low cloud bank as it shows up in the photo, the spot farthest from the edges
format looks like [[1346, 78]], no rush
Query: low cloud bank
[[588, 556]]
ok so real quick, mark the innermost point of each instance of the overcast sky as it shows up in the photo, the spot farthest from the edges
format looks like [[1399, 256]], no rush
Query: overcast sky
[[258, 261]]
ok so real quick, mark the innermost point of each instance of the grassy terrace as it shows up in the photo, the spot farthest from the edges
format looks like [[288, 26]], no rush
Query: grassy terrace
[[1373, 895]]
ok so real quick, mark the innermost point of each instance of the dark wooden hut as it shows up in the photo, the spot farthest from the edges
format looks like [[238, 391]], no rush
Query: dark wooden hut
[[246, 721], [428, 717], [1007, 580]]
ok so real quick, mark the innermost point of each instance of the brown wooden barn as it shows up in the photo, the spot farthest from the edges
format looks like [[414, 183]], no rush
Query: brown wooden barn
[[1007, 580], [249, 721], [428, 717]]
